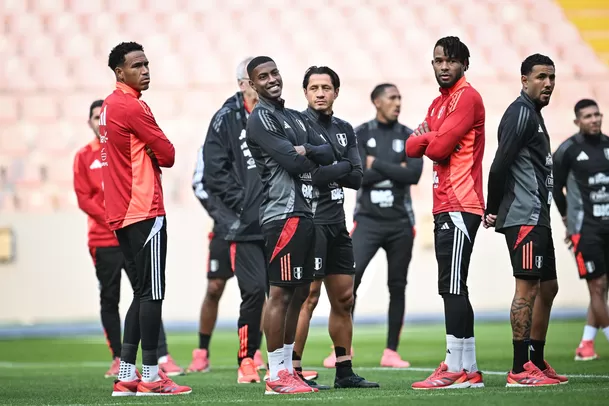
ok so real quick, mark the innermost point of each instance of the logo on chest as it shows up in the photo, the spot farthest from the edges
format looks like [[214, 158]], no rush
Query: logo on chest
[[606, 151], [96, 165], [342, 139], [398, 145]]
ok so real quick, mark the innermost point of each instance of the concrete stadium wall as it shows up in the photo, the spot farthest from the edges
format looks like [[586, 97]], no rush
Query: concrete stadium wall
[[53, 279]]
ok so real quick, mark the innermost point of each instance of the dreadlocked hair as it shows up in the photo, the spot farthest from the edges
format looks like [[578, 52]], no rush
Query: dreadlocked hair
[[454, 48]]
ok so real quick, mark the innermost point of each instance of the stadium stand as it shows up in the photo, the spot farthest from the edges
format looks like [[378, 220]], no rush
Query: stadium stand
[[54, 57]]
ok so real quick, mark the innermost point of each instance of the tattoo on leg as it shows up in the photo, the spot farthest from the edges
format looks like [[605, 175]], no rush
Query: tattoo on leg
[[521, 316]]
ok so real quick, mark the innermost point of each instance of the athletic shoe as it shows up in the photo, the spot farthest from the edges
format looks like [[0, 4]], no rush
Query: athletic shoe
[[164, 387], [311, 383], [585, 351], [531, 376], [169, 367], [122, 388], [391, 359], [127, 388], [441, 378], [114, 368], [259, 361], [200, 361], [330, 361], [354, 381], [475, 379], [551, 373], [287, 384], [247, 372], [306, 374]]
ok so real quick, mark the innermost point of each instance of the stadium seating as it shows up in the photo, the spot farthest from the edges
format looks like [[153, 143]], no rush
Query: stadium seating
[[55, 53]]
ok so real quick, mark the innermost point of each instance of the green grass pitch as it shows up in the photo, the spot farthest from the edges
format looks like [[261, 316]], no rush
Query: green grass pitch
[[69, 371]]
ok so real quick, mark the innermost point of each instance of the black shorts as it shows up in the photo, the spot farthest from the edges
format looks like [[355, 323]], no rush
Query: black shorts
[[109, 263], [454, 237], [290, 249], [532, 252], [144, 245], [591, 254], [219, 264], [333, 251]]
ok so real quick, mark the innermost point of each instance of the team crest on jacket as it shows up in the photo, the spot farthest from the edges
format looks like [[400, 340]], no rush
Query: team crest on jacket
[[606, 150], [298, 272], [398, 146], [538, 261], [342, 139]]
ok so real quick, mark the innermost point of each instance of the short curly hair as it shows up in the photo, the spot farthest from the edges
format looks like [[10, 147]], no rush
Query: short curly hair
[[117, 55]]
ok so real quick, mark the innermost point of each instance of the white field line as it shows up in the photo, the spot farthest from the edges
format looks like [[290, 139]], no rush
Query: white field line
[[100, 364]]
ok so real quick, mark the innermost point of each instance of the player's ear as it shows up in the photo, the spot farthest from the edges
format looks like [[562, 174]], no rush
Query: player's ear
[[576, 122], [252, 84], [336, 92], [525, 81]]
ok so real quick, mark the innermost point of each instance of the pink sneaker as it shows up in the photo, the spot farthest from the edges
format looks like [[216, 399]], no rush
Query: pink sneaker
[[259, 361], [330, 361], [585, 351], [441, 378], [169, 367], [200, 361], [391, 359], [114, 367]]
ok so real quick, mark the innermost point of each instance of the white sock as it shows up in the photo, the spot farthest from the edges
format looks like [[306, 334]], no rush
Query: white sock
[[126, 372], [454, 353], [606, 331], [150, 373], [589, 333], [288, 350], [163, 359], [276, 363], [469, 354]]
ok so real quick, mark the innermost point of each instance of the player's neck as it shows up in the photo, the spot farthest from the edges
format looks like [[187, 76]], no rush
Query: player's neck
[[385, 123], [593, 138], [249, 103], [323, 115]]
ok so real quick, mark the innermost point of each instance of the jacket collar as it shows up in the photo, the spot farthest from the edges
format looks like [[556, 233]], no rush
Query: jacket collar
[[272, 104], [128, 89], [319, 116], [458, 85]]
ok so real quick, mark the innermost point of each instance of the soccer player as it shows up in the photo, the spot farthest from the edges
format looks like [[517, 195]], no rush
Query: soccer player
[[279, 141], [452, 136], [334, 262], [104, 249], [520, 187], [581, 165], [383, 215], [229, 173], [133, 150]]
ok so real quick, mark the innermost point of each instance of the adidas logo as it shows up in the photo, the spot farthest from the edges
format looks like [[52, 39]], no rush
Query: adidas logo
[[95, 165], [447, 351], [445, 227], [285, 125], [582, 156], [540, 129]]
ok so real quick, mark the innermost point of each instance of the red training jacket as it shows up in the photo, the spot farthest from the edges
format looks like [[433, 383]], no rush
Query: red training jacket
[[132, 181], [456, 145], [90, 194]]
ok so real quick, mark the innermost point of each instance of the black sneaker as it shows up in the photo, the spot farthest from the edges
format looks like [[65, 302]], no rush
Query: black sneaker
[[312, 383], [354, 381]]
